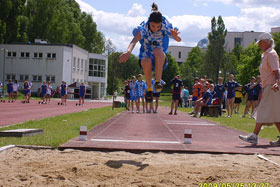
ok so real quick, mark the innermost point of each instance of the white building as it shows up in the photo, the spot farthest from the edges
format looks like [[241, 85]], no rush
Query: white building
[[275, 29], [55, 63], [242, 38], [180, 53]]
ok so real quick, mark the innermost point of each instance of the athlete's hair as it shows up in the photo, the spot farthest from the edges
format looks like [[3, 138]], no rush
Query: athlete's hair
[[155, 16]]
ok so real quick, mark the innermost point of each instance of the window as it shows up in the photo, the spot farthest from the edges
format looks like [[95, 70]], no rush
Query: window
[[24, 55], [14, 54], [11, 77], [237, 41], [53, 55], [23, 77], [82, 64], [50, 78], [40, 55], [49, 55], [74, 63], [78, 64], [9, 54], [35, 55], [37, 78], [179, 55], [96, 68]]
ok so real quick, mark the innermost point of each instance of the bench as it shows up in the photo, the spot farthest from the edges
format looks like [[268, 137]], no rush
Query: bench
[[211, 110]]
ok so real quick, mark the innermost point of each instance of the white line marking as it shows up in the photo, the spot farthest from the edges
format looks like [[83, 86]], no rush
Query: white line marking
[[6, 147], [135, 141], [172, 122]]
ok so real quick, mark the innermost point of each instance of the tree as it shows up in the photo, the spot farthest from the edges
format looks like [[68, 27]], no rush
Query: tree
[[170, 72], [192, 67], [249, 63], [276, 37], [215, 51]]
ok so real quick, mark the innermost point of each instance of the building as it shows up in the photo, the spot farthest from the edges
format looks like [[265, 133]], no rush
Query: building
[[242, 38], [38, 62], [275, 29], [180, 53]]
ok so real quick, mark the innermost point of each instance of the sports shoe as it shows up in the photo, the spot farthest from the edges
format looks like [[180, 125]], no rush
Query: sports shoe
[[175, 113], [137, 111], [155, 112], [149, 96], [158, 86], [191, 113], [144, 111], [251, 138], [170, 113], [275, 143]]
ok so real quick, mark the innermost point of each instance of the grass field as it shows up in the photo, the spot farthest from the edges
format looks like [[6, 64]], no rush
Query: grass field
[[58, 130], [235, 122]]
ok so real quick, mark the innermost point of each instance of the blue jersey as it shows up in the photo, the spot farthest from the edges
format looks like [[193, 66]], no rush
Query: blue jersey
[[186, 93], [258, 89], [26, 90], [82, 91], [153, 84], [140, 88], [177, 84], [207, 95], [152, 40], [231, 88], [132, 91], [220, 90], [10, 87], [63, 90], [250, 92], [43, 89]]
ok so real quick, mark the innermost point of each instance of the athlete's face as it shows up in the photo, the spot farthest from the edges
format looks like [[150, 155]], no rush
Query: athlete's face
[[155, 26]]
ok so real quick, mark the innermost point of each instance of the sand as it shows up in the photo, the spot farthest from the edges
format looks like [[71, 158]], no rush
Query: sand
[[46, 167]]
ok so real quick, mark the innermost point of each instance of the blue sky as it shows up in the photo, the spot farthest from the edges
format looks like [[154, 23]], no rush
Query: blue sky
[[116, 19]]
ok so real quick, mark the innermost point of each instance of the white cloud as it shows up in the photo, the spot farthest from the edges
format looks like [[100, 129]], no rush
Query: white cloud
[[253, 16], [136, 10]]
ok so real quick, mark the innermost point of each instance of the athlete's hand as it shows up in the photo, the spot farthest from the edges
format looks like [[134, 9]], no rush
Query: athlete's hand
[[124, 57], [175, 33]]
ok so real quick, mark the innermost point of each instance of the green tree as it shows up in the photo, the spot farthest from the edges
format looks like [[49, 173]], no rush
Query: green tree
[[276, 37], [192, 67], [249, 63], [215, 51], [170, 72]]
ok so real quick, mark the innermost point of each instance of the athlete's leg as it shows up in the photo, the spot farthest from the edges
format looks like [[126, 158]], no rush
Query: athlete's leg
[[159, 62], [147, 68]]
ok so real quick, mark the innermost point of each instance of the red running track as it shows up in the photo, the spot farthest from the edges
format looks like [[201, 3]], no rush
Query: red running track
[[163, 132], [13, 113]]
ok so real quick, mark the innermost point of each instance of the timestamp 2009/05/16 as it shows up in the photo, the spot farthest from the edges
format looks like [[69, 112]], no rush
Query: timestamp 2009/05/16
[[234, 184]]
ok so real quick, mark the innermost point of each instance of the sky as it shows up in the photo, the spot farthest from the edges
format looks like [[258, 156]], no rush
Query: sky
[[116, 19]]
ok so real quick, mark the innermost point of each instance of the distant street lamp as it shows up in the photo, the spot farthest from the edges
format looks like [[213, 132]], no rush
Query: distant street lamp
[[3, 71]]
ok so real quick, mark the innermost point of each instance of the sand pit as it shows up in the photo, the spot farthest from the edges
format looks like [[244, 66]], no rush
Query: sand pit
[[28, 167]]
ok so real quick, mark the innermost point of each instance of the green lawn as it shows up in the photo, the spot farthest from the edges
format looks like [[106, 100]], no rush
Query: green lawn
[[235, 122], [58, 130]]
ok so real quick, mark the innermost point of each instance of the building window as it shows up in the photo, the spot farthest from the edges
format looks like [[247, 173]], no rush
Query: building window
[[237, 41], [49, 55], [35, 55], [40, 55], [37, 78], [179, 55], [96, 68], [11, 77], [11, 54], [82, 64], [54, 55], [50, 78], [24, 55], [23, 77], [78, 64]]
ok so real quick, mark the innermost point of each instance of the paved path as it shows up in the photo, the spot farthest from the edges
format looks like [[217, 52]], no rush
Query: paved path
[[163, 132], [12, 113]]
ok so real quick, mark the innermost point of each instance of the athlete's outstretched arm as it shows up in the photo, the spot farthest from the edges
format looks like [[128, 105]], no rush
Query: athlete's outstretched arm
[[175, 33], [124, 57]]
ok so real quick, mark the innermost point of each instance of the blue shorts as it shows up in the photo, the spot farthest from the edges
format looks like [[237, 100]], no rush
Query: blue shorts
[[63, 94], [133, 98], [153, 63], [194, 98], [82, 94], [156, 94], [43, 94]]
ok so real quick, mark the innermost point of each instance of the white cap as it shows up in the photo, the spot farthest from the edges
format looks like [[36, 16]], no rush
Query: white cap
[[264, 36]]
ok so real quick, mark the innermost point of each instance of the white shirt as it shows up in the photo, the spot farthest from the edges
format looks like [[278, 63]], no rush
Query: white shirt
[[49, 90], [15, 87]]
